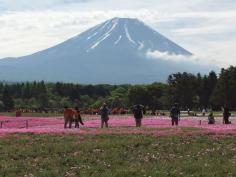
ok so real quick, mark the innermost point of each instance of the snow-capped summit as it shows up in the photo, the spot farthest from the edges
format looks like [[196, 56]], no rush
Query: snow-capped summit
[[114, 51], [123, 33]]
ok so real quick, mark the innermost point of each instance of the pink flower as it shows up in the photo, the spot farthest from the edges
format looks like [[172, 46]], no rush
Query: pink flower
[[159, 126]]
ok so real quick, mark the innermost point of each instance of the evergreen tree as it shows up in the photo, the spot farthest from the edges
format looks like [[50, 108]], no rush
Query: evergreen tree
[[224, 93], [7, 99], [183, 88], [138, 95]]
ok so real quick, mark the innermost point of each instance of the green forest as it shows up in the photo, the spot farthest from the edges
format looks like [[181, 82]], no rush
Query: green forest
[[190, 91]]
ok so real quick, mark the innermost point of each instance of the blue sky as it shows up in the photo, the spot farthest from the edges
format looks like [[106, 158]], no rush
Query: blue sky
[[206, 28]]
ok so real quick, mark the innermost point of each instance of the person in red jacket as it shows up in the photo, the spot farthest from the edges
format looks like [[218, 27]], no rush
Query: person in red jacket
[[68, 116]]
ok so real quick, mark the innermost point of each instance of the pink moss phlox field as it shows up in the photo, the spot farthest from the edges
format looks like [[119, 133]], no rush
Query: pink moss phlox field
[[160, 126]]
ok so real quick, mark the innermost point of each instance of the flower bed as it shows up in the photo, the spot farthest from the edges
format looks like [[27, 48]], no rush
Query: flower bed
[[118, 125]]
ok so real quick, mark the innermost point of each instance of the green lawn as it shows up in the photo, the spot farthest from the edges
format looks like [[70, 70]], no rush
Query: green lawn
[[116, 155]]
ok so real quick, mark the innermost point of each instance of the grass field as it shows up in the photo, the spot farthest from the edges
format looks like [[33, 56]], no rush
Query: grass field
[[117, 155]]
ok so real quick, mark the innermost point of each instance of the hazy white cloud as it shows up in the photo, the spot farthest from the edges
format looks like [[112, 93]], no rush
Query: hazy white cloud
[[26, 5], [212, 30], [204, 27], [166, 56], [203, 60]]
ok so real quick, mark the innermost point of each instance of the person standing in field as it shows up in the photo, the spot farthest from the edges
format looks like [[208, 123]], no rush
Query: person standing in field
[[68, 116], [175, 114], [104, 111], [138, 114], [77, 118], [226, 115]]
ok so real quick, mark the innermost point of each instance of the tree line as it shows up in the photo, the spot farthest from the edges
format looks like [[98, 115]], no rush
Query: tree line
[[190, 91]]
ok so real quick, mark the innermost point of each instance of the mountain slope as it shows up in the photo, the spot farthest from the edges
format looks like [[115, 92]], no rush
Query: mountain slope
[[113, 52]]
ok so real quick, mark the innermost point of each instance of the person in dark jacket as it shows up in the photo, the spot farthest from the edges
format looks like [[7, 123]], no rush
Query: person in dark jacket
[[77, 118], [104, 111], [175, 114], [138, 114], [226, 115], [211, 119]]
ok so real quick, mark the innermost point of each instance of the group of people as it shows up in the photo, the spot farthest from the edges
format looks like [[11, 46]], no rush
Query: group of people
[[73, 115], [137, 111], [226, 115], [211, 118], [175, 115]]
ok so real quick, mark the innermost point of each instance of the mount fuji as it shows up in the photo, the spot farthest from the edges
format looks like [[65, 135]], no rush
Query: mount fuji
[[113, 52]]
